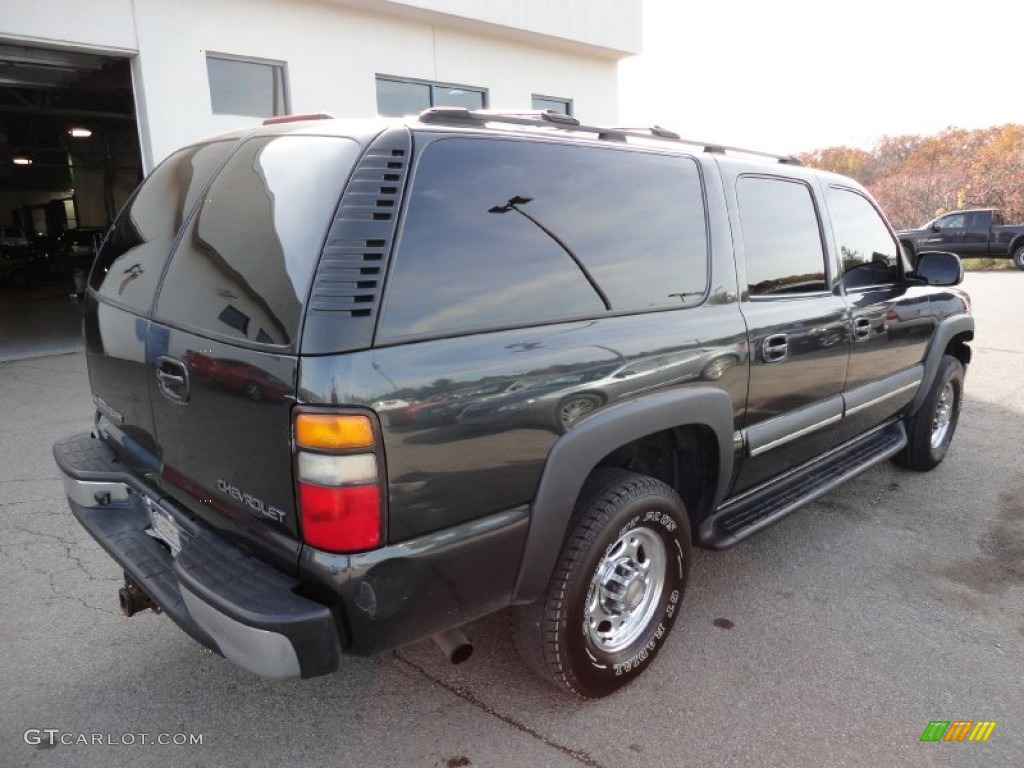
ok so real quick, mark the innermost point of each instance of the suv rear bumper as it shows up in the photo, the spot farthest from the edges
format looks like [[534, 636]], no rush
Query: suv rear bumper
[[223, 597]]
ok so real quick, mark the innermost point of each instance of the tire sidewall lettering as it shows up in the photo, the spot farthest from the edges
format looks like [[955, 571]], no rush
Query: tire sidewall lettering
[[623, 531], [645, 653], [672, 604], [664, 519]]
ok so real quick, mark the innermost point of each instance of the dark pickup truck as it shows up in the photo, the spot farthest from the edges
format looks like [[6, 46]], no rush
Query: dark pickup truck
[[975, 233]]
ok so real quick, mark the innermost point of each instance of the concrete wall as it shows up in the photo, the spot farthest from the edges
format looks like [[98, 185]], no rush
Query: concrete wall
[[605, 27], [334, 48], [96, 25], [332, 56]]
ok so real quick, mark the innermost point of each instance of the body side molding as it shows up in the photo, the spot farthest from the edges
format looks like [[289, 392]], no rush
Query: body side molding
[[782, 429], [875, 392]]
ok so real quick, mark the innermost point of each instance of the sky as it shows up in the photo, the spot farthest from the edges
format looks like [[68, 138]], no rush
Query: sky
[[791, 76]]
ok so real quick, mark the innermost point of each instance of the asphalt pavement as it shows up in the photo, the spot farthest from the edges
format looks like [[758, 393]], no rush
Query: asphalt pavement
[[831, 639]]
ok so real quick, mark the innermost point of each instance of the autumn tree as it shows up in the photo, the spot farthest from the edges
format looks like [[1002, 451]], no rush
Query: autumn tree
[[916, 178]]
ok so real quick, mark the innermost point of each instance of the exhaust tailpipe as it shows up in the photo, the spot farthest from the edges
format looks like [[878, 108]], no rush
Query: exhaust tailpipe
[[133, 600], [454, 644]]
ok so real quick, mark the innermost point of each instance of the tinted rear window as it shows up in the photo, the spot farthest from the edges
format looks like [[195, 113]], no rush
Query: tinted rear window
[[242, 268], [129, 264], [496, 232]]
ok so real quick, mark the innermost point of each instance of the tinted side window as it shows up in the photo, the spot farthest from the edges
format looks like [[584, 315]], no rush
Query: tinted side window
[[129, 264], [952, 222], [781, 237], [502, 233], [244, 263], [868, 252]]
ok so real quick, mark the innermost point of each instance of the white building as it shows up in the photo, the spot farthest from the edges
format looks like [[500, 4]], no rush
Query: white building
[[199, 67]]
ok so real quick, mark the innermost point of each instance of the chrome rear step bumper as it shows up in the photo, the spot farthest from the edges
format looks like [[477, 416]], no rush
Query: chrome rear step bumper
[[222, 596]]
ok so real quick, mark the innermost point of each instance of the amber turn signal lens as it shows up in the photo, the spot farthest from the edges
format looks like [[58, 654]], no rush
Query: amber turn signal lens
[[332, 431]]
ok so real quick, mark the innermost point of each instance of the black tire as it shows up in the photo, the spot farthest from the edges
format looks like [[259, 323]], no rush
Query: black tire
[[1018, 258], [930, 430], [559, 635], [573, 408]]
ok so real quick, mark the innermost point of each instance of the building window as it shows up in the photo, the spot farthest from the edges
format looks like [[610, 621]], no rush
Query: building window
[[397, 96], [551, 102], [243, 86]]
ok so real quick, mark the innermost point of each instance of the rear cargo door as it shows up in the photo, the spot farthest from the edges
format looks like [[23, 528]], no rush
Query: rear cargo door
[[222, 344], [122, 288]]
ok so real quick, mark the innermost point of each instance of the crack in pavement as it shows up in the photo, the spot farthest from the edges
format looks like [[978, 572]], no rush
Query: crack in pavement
[[75, 598], [52, 535], [68, 545], [466, 695], [28, 501]]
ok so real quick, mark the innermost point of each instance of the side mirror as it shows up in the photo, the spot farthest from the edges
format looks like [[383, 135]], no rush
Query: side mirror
[[935, 227], [939, 268]]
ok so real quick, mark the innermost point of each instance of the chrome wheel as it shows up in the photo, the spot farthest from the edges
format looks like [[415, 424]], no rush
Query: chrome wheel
[[943, 415], [575, 409], [616, 590], [625, 590], [1018, 258]]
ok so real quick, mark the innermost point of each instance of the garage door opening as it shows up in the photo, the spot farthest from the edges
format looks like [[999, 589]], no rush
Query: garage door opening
[[69, 159]]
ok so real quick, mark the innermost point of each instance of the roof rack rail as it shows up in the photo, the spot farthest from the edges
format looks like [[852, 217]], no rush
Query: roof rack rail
[[479, 116], [657, 132], [548, 118]]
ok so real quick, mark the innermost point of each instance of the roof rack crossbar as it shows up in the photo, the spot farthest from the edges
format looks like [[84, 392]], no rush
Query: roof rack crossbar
[[547, 118]]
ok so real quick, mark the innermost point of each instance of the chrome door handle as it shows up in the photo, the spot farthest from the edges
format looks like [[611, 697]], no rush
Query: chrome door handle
[[172, 379], [775, 349], [861, 328]]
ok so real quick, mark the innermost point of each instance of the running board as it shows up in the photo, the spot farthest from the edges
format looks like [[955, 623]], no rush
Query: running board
[[756, 509]]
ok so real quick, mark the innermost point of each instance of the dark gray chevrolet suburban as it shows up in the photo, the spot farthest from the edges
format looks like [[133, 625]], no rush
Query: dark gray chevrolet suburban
[[358, 384]]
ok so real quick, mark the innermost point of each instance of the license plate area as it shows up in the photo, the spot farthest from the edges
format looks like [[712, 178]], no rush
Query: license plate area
[[164, 527]]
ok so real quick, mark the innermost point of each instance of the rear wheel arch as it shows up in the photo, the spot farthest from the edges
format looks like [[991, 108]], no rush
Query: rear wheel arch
[[697, 419], [682, 457]]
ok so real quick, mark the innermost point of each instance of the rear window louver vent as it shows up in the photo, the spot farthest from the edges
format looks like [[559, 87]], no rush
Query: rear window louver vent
[[347, 288]]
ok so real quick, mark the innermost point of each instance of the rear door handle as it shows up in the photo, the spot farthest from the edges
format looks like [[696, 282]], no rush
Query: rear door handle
[[172, 379], [775, 348], [861, 328]]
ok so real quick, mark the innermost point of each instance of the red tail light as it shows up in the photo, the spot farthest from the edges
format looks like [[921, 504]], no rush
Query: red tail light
[[345, 519], [338, 465]]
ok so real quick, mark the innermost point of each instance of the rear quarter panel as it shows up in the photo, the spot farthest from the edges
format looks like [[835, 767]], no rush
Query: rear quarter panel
[[472, 441]]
